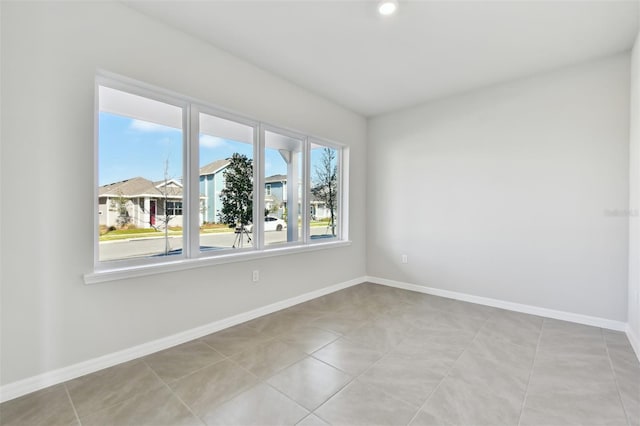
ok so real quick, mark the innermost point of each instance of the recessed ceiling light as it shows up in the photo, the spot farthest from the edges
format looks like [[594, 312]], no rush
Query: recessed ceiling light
[[387, 7]]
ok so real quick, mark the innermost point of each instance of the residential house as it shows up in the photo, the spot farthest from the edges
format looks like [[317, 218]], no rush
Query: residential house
[[211, 183], [141, 202], [275, 194], [275, 199], [318, 209]]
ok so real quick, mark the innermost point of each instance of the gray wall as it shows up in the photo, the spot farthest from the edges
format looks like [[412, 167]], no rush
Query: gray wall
[[50, 54], [517, 192], [634, 197]]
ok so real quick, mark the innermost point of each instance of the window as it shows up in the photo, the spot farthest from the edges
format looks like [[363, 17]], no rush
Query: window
[[324, 189], [225, 173], [179, 180], [174, 208], [140, 172], [283, 163]]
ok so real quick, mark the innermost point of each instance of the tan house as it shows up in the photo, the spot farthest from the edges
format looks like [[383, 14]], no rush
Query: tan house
[[141, 202]]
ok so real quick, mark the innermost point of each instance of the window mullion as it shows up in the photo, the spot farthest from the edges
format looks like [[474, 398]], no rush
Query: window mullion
[[306, 191], [339, 195], [96, 181], [343, 199], [193, 189], [258, 188]]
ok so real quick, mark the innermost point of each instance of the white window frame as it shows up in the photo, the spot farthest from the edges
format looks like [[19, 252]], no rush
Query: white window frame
[[198, 108], [191, 255], [304, 139], [149, 92], [342, 153]]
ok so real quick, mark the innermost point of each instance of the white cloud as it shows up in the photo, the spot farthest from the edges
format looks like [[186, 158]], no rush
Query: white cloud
[[208, 141], [146, 126]]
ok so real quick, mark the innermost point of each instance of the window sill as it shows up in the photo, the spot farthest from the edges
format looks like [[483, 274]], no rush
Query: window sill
[[180, 265]]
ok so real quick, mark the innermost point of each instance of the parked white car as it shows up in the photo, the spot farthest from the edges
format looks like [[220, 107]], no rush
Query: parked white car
[[270, 224]]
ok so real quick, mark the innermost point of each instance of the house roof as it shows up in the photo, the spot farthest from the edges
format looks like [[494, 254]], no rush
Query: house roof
[[171, 188], [276, 178], [141, 187], [214, 167], [314, 199], [134, 186]]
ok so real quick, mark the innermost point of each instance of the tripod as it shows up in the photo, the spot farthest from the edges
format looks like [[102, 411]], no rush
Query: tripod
[[239, 239]]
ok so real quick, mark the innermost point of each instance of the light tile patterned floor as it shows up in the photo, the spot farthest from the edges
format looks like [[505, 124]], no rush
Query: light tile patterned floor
[[367, 355]]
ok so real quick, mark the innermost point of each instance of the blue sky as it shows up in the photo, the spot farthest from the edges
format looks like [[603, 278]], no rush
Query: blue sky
[[130, 148]]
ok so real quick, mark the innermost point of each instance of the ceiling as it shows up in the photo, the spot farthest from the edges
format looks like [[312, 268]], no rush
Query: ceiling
[[344, 51]]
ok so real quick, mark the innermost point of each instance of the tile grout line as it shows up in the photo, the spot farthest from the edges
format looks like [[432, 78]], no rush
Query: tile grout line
[[224, 358], [333, 366], [355, 377], [228, 358], [449, 370], [278, 337], [194, 371], [296, 345], [533, 363], [310, 355], [173, 393], [136, 360], [265, 379], [615, 378], [266, 383], [73, 406], [262, 380]]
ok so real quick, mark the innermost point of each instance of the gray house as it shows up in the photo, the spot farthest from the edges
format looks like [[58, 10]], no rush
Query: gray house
[[141, 202]]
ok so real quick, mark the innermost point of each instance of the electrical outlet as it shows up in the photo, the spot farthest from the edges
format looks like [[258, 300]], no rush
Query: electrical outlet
[[405, 259], [256, 276]]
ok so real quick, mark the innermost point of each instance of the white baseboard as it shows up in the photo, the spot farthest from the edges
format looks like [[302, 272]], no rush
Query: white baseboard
[[634, 340], [32, 384], [496, 303]]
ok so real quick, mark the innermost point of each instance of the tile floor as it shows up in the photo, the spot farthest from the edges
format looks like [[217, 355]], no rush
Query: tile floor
[[367, 355]]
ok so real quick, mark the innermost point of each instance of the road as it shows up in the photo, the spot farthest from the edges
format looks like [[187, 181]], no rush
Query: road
[[143, 247]]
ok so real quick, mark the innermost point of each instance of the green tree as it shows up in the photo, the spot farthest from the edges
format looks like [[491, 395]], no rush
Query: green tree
[[325, 187], [237, 195]]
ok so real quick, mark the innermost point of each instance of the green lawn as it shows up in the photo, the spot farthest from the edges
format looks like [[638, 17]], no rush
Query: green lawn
[[125, 234]]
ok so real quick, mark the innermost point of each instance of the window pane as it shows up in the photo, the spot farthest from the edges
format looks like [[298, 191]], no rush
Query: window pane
[[324, 187], [283, 189], [226, 184], [140, 176]]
